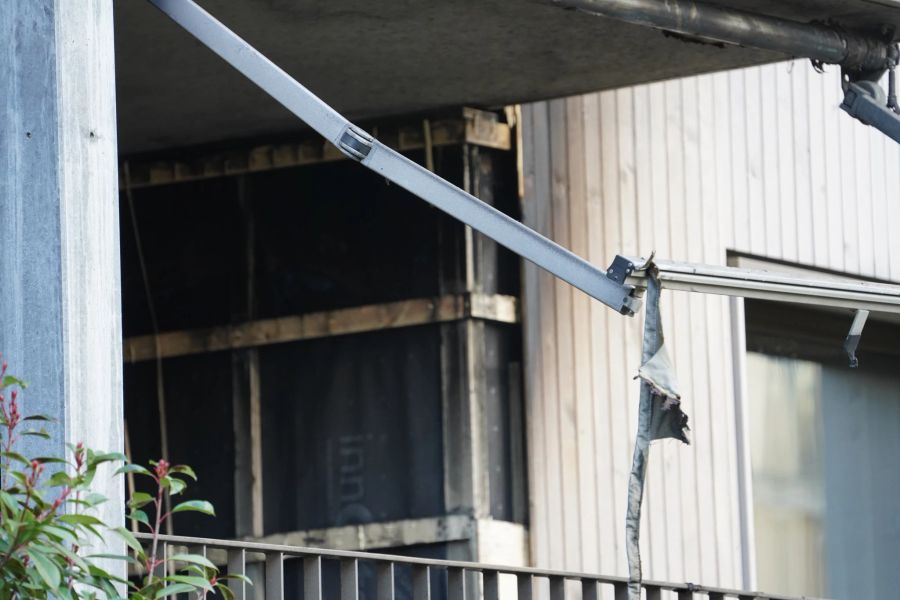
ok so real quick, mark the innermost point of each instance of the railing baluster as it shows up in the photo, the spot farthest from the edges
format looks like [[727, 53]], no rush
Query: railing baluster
[[590, 589], [166, 569], [160, 569], [490, 580], [275, 576], [350, 579], [312, 578], [198, 550], [456, 584], [525, 587], [653, 592], [385, 581], [421, 582], [620, 591], [237, 563], [716, 596], [685, 595], [557, 588]]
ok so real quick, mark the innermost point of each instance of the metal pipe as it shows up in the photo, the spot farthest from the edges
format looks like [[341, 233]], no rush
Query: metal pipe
[[805, 40]]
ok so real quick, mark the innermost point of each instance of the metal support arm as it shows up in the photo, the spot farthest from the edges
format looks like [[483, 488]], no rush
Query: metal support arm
[[360, 146], [866, 102]]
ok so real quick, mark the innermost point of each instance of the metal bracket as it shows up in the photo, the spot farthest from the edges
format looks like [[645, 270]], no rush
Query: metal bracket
[[851, 343], [355, 143], [866, 101], [620, 269]]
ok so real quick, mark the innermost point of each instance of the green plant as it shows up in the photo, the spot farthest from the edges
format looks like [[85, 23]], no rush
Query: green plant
[[47, 527]]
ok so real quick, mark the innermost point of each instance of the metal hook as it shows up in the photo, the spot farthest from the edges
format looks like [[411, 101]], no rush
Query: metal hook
[[851, 343]]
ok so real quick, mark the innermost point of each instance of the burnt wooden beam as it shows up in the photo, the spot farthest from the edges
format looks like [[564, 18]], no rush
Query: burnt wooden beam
[[246, 393], [473, 127], [380, 534], [359, 319]]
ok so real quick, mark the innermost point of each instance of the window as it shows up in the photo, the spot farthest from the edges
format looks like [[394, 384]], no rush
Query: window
[[824, 445]]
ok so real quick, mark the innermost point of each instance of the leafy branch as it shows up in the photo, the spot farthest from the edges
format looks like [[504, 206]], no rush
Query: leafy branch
[[47, 520]]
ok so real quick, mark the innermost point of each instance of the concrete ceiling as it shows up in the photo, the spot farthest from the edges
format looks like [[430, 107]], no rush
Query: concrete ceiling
[[374, 58]]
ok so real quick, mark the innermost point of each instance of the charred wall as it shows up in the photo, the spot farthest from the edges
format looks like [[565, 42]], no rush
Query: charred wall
[[351, 428]]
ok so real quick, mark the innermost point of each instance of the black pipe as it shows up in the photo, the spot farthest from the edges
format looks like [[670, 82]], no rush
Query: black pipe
[[818, 42]]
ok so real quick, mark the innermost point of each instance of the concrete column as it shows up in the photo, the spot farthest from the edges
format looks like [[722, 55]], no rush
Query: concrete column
[[60, 308]]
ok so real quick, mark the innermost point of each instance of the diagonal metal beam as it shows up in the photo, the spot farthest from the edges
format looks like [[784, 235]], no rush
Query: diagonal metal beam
[[357, 144]]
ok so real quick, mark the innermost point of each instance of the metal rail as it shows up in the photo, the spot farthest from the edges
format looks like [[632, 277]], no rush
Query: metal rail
[[772, 285], [360, 146], [818, 42], [267, 565]]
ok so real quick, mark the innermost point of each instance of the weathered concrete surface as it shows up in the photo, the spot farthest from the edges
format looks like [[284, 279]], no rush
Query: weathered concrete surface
[[60, 316], [395, 56]]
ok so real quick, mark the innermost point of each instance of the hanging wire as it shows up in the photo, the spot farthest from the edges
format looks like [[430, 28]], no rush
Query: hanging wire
[[160, 382], [892, 60], [892, 89], [429, 145]]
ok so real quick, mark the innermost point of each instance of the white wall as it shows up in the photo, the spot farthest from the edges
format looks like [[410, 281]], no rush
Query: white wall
[[759, 160]]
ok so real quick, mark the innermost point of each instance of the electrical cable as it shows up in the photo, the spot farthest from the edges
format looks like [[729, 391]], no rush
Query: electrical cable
[[160, 381]]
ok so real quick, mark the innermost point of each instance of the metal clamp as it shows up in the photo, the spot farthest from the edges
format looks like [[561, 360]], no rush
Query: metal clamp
[[865, 101], [355, 143]]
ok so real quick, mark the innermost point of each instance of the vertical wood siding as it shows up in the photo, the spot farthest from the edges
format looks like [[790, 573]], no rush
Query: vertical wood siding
[[758, 160]]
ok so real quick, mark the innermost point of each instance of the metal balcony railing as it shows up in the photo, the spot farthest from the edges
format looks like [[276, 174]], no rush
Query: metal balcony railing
[[267, 565]]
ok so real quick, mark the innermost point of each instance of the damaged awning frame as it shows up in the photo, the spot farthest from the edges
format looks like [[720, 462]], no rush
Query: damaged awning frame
[[616, 286], [660, 414]]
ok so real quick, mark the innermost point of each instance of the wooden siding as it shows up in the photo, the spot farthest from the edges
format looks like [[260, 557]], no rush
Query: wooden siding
[[759, 160]]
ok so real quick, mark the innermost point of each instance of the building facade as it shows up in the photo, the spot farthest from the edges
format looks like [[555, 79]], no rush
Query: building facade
[[347, 367], [754, 167]]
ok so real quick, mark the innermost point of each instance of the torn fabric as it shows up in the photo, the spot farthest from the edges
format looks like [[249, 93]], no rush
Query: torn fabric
[[659, 416]]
